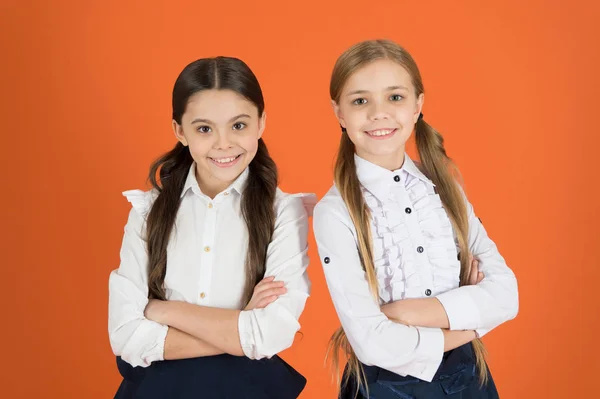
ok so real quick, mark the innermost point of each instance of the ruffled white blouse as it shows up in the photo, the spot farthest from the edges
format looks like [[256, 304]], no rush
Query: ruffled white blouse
[[415, 255]]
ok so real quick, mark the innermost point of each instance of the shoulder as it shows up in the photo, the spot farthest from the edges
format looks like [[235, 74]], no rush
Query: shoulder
[[141, 201], [331, 203], [332, 208], [296, 203]]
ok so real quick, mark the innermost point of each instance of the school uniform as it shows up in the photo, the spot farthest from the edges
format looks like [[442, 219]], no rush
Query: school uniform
[[415, 255], [206, 255]]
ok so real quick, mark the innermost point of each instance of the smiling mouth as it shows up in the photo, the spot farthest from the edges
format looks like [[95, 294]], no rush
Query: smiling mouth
[[380, 133], [225, 162]]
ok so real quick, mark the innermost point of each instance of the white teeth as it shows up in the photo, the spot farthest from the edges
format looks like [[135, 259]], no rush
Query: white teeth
[[224, 160], [380, 132]]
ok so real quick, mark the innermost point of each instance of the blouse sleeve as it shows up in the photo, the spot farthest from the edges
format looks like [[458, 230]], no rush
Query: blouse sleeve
[[267, 331], [137, 340], [495, 299]]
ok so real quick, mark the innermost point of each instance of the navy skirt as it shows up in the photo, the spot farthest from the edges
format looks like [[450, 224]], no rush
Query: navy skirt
[[211, 377], [456, 378]]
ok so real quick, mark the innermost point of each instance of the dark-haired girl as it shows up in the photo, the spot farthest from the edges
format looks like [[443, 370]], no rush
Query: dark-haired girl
[[212, 278]]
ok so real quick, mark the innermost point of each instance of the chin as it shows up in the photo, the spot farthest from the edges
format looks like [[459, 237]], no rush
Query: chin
[[386, 151]]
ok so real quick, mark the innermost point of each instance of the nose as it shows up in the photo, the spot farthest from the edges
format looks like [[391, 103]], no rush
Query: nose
[[378, 111], [223, 141]]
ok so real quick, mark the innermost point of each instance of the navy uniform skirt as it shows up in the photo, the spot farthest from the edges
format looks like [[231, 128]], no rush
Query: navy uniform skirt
[[211, 377], [456, 378]]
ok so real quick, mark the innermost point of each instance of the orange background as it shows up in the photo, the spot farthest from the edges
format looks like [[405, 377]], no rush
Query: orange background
[[86, 92]]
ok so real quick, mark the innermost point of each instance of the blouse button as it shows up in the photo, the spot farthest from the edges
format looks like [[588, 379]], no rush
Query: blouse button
[[408, 210], [420, 249], [428, 292], [202, 295], [226, 193], [206, 249], [210, 205], [396, 178], [326, 260]]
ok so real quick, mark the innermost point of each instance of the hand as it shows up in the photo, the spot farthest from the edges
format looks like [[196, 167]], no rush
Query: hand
[[265, 292], [475, 276], [155, 310]]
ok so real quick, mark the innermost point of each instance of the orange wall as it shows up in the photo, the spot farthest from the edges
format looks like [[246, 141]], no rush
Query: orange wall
[[85, 106]]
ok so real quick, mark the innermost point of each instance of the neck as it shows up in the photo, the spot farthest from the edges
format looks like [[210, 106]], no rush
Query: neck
[[390, 162], [211, 186]]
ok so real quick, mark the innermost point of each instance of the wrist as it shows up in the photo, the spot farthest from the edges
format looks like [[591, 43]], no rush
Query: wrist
[[160, 313], [396, 312]]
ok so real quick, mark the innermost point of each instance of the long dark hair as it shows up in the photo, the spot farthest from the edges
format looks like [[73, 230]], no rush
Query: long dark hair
[[258, 199]]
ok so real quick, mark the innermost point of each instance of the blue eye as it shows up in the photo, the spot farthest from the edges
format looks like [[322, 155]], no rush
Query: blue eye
[[359, 101], [203, 129], [396, 97], [239, 126]]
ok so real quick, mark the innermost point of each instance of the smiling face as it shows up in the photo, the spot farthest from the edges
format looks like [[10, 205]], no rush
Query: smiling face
[[221, 129], [378, 107]]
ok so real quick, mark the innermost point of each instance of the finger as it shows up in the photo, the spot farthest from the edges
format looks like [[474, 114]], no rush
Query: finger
[[265, 280], [268, 286], [265, 301], [474, 272], [272, 291], [470, 265], [480, 277], [260, 291]]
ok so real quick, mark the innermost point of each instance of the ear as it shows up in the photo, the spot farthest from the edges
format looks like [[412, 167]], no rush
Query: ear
[[338, 113], [178, 131], [262, 123], [419, 107]]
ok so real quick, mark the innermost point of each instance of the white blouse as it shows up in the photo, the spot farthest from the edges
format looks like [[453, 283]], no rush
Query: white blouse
[[206, 255], [415, 255]]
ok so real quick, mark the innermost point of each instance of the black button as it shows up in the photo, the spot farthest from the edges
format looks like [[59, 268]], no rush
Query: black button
[[420, 249], [408, 210], [326, 260], [396, 178], [428, 292]]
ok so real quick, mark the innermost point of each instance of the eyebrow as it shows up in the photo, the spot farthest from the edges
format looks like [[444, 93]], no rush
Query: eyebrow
[[200, 120], [390, 88]]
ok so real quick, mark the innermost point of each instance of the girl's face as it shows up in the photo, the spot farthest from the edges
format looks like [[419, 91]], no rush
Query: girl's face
[[378, 107], [221, 129]]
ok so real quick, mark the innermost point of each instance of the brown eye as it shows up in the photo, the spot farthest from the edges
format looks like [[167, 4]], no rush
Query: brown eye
[[203, 129], [239, 126], [359, 101]]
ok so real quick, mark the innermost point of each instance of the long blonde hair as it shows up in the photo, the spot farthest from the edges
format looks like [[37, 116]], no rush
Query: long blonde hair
[[436, 165]]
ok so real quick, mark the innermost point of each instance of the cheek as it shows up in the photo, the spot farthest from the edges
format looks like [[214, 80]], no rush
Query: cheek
[[199, 146], [406, 112], [354, 118], [250, 144]]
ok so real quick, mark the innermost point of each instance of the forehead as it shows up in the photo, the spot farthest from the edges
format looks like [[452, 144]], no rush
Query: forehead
[[218, 105], [377, 76]]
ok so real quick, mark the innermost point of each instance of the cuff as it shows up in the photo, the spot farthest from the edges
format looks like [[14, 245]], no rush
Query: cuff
[[148, 344], [481, 332], [462, 312], [246, 333], [429, 352]]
